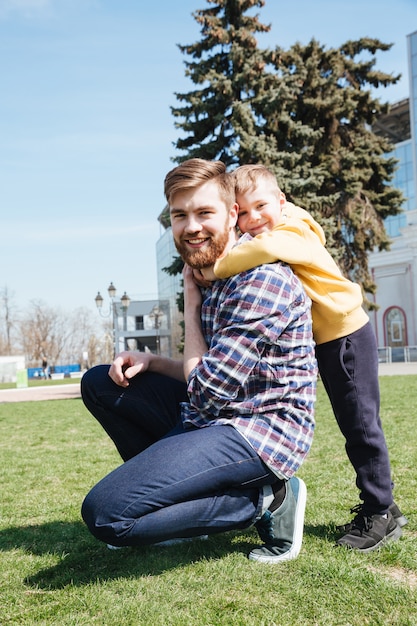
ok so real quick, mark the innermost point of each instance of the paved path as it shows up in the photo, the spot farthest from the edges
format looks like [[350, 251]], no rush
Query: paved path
[[65, 392], [394, 369], [49, 392]]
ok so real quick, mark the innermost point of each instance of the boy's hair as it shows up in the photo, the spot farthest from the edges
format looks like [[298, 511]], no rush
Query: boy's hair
[[193, 173], [248, 176]]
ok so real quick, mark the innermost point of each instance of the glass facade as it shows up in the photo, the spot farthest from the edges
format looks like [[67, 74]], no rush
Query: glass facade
[[412, 55], [404, 180], [169, 287]]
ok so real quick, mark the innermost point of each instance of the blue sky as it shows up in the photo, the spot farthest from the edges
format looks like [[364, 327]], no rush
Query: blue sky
[[86, 130]]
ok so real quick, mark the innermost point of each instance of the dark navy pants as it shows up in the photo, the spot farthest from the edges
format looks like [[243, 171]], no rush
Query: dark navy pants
[[349, 370], [174, 482]]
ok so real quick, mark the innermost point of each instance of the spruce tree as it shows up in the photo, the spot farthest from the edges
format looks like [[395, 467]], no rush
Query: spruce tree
[[319, 116], [226, 65]]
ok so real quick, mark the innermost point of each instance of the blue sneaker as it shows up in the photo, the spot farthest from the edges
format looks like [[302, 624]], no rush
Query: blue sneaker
[[282, 530]]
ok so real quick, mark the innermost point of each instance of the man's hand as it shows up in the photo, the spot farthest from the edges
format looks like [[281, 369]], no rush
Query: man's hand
[[128, 364]]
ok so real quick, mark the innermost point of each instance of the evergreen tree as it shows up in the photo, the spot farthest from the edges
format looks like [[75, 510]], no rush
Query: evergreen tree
[[226, 65], [306, 113], [319, 118]]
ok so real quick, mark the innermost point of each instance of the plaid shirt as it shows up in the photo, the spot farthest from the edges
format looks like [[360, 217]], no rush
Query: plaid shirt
[[259, 373]]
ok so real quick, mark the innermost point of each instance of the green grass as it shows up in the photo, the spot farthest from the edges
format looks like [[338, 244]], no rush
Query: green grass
[[53, 572]]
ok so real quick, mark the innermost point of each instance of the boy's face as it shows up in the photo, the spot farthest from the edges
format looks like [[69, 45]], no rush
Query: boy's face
[[202, 226], [260, 208]]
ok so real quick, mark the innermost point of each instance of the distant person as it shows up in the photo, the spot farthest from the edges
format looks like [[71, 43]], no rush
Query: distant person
[[346, 347], [45, 369], [212, 442]]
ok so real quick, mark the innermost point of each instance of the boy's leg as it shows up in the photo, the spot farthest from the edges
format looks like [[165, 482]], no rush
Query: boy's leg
[[201, 481], [136, 416], [349, 370]]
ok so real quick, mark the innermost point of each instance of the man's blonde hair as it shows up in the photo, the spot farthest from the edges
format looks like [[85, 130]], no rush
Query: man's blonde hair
[[193, 173], [247, 177]]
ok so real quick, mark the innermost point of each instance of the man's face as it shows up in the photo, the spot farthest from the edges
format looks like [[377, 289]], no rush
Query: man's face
[[202, 228]]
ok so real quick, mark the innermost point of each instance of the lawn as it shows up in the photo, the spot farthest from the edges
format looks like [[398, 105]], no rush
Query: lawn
[[53, 572]]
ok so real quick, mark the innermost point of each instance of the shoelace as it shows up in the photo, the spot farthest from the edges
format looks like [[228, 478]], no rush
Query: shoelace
[[361, 521], [365, 525]]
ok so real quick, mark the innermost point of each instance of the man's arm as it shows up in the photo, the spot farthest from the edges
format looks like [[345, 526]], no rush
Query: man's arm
[[254, 310], [131, 363], [194, 342]]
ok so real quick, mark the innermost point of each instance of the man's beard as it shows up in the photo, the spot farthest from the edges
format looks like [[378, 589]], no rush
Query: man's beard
[[198, 259]]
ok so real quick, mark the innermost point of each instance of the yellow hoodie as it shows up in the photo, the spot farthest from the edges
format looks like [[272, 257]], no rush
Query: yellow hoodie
[[299, 241]]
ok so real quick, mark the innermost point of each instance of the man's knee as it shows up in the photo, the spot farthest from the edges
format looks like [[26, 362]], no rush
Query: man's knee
[[93, 379]]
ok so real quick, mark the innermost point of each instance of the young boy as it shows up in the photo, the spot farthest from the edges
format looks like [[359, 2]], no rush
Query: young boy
[[345, 343]]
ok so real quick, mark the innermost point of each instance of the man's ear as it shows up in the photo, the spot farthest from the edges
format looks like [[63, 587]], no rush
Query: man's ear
[[282, 199], [234, 211]]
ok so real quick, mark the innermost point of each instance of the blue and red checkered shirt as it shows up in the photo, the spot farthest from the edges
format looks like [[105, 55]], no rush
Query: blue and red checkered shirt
[[259, 372]]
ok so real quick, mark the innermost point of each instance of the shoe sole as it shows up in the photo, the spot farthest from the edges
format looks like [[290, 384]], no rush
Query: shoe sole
[[294, 551]]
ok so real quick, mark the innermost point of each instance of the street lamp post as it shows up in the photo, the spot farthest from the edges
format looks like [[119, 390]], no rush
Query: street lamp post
[[112, 312], [156, 315], [125, 301]]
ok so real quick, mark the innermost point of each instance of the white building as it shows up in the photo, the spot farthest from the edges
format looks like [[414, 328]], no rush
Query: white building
[[395, 271]]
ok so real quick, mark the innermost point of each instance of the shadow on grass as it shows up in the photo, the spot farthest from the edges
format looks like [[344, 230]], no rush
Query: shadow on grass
[[83, 560], [328, 532]]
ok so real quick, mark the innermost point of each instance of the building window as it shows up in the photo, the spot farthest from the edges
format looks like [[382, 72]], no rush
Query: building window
[[139, 322], [395, 327]]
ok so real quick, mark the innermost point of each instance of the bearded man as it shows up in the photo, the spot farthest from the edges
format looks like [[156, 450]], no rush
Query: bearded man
[[211, 443]]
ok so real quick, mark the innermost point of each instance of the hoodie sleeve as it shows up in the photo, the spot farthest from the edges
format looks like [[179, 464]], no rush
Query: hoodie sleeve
[[296, 241]]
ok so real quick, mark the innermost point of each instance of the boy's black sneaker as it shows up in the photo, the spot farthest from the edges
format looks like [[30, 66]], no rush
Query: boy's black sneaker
[[394, 510], [397, 515], [370, 532]]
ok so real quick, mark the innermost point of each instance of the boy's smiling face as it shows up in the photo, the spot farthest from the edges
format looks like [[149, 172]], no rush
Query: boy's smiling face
[[260, 208]]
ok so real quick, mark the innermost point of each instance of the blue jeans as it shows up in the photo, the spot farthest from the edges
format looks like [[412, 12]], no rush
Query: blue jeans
[[174, 482]]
